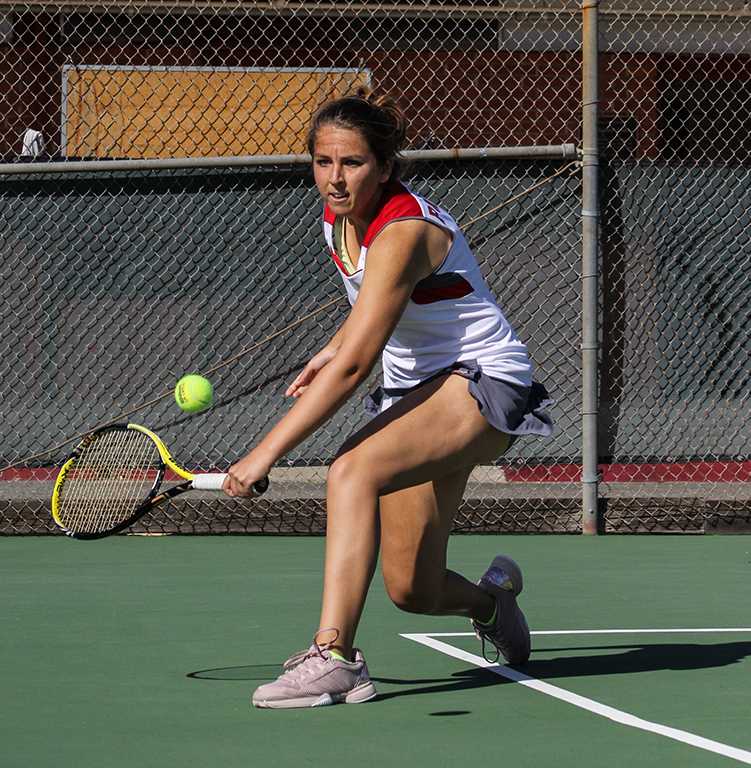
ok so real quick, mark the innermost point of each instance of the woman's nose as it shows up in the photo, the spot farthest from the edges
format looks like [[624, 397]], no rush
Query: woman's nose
[[336, 173]]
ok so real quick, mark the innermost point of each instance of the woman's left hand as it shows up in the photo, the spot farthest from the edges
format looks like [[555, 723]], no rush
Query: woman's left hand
[[244, 473]]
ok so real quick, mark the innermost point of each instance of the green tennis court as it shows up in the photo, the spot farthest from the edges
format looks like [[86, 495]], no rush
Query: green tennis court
[[143, 651]]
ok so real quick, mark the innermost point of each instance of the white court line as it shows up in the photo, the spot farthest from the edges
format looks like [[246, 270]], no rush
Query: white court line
[[603, 710], [604, 631]]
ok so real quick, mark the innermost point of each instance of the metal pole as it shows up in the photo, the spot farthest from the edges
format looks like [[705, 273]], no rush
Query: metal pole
[[553, 152], [590, 221]]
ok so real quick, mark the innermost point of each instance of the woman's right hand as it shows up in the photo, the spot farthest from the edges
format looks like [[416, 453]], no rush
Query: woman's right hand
[[306, 376]]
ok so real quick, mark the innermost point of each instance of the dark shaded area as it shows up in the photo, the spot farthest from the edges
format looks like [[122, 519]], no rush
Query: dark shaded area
[[618, 659]]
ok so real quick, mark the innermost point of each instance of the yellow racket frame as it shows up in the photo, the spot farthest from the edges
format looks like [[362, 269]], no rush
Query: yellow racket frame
[[164, 454]]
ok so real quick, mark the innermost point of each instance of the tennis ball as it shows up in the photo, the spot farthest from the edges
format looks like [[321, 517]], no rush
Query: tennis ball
[[193, 393]]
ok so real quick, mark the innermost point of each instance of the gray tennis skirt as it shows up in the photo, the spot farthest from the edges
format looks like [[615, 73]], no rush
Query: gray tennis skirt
[[510, 408]]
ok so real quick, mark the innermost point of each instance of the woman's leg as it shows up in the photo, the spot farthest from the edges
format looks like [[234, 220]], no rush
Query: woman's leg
[[416, 523], [427, 443]]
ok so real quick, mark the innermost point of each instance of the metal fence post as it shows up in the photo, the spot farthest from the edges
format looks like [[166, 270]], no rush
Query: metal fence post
[[590, 220]]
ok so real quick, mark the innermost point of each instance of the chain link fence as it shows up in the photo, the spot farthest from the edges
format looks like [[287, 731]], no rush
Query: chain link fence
[[117, 280], [676, 264]]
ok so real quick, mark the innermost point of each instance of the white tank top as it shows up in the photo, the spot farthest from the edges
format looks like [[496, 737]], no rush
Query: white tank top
[[450, 317]]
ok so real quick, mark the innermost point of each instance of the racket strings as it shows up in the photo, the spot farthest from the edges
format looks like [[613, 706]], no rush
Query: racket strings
[[111, 476]]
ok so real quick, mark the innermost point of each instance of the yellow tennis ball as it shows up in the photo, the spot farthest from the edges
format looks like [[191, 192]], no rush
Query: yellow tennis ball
[[194, 393]]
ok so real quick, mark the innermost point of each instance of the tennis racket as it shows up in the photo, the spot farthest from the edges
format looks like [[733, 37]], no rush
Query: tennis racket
[[114, 476]]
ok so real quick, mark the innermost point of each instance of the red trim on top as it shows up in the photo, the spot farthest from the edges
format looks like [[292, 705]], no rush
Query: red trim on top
[[339, 263], [397, 203], [428, 294]]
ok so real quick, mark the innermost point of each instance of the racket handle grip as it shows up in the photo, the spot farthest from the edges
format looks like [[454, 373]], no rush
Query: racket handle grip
[[209, 482], [214, 481]]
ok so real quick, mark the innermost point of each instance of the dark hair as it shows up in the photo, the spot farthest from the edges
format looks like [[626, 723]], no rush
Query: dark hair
[[378, 118]]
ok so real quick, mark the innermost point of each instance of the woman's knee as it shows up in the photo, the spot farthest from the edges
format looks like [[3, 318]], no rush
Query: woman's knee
[[350, 468], [411, 594]]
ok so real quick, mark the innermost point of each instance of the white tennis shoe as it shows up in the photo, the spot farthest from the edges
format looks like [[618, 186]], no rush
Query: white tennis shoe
[[314, 678]]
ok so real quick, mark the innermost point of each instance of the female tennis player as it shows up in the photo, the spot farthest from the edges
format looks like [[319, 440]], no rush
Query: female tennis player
[[457, 389]]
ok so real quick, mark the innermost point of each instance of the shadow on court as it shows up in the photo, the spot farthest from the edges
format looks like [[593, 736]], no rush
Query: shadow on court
[[467, 678], [611, 660], [252, 672], [636, 658]]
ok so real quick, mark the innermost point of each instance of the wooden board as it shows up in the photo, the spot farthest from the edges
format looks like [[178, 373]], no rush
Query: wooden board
[[162, 113]]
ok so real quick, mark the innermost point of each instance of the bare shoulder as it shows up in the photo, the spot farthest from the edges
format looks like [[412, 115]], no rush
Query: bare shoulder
[[413, 239]]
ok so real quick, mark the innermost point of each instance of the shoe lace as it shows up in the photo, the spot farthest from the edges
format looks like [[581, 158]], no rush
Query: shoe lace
[[482, 646], [295, 659], [485, 635], [298, 668]]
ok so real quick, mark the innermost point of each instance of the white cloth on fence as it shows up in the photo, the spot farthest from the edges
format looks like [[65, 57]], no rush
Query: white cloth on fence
[[33, 143]]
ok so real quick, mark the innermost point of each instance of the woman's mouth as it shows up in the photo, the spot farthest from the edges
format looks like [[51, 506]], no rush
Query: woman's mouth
[[338, 197]]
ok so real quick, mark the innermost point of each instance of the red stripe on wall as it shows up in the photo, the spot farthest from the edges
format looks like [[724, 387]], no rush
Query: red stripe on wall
[[42, 474], [679, 472], [661, 472]]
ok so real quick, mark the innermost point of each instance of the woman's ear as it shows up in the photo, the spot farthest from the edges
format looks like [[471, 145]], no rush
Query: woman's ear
[[386, 171]]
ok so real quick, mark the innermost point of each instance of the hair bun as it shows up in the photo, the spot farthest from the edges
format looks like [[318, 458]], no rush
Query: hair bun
[[383, 101]]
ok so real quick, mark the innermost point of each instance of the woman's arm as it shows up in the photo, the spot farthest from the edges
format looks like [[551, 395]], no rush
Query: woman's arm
[[400, 256], [322, 357]]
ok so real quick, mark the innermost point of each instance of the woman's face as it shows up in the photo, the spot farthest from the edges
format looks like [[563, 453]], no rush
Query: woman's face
[[347, 173]]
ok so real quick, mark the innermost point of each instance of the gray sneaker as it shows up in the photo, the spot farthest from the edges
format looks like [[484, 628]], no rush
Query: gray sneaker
[[316, 679], [509, 632]]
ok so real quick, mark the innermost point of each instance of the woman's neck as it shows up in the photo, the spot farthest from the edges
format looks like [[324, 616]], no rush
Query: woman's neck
[[361, 223]]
